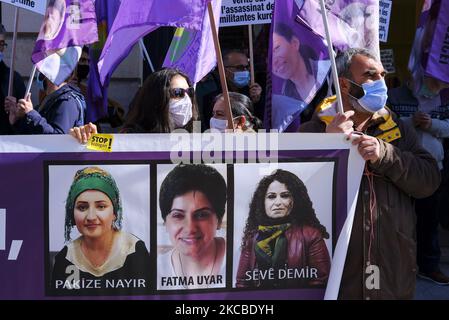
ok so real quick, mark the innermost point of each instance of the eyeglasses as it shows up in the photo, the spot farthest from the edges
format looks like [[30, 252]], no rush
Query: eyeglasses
[[240, 67], [179, 93], [3, 44]]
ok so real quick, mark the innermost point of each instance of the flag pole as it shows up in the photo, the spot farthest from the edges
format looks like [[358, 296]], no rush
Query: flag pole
[[13, 52], [30, 81], [251, 53], [145, 52], [331, 57], [221, 71]]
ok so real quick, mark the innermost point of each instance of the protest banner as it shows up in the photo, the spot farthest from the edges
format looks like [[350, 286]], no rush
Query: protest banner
[[236, 13], [37, 6], [42, 233], [384, 19]]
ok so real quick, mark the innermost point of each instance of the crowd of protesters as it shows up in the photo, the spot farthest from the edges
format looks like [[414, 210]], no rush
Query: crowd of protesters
[[404, 154]]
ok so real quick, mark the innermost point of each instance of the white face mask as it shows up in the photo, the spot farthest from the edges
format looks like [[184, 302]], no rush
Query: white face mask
[[218, 124], [180, 111]]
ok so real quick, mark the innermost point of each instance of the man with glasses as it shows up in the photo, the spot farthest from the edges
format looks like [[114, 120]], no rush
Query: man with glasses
[[18, 86], [238, 79]]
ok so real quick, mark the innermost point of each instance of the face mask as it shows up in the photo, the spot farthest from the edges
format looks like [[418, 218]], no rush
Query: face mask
[[425, 92], [241, 78], [375, 95], [82, 71], [180, 111], [218, 124], [40, 82]]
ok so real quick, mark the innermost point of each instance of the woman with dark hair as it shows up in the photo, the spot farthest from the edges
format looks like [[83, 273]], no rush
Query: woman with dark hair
[[192, 201], [294, 62], [244, 121], [164, 103], [102, 254], [283, 234]]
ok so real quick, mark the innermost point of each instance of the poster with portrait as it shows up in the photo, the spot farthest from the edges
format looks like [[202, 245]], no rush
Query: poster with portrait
[[98, 228], [191, 226], [283, 211], [139, 223], [299, 64]]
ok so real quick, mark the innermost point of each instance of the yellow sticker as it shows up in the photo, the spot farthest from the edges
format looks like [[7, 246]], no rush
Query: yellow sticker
[[101, 142]]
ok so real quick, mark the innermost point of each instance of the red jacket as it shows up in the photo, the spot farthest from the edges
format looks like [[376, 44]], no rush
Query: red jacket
[[308, 262]]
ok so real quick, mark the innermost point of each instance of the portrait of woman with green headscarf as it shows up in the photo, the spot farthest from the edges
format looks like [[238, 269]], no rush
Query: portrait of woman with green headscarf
[[103, 258]]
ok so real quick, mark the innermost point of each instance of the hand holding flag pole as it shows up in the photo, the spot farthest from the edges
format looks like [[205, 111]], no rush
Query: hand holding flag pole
[[331, 57]]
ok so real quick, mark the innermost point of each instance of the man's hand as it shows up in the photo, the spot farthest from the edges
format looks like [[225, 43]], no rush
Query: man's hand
[[369, 147], [422, 120], [341, 123], [255, 91], [24, 106], [83, 133]]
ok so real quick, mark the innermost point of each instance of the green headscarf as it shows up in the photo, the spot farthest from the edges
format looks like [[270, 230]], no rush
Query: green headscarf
[[92, 178]]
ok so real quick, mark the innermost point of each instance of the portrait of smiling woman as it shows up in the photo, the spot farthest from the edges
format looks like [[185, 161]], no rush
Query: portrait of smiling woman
[[103, 259], [192, 201], [283, 240]]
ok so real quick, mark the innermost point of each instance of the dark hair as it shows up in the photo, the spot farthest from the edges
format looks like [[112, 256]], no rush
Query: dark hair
[[302, 212], [149, 108], [193, 177], [241, 106], [226, 52], [307, 53]]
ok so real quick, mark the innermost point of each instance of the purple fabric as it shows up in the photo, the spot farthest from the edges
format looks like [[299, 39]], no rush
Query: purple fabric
[[136, 18], [351, 23], [438, 61], [26, 277], [430, 51], [68, 24], [97, 93], [298, 58], [193, 51]]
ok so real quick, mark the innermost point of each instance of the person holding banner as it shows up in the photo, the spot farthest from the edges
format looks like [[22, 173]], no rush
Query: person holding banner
[[381, 258], [103, 259], [192, 201], [18, 87], [244, 121], [165, 102], [283, 236]]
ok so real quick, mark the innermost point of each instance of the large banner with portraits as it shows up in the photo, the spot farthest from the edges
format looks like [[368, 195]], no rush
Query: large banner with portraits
[[212, 216]]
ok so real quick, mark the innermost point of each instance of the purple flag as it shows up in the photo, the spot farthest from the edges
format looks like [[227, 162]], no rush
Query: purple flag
[[193, 51], [67, 26], [352, 24], [430, 53], [299, 63], [97, 94], [136, 18]]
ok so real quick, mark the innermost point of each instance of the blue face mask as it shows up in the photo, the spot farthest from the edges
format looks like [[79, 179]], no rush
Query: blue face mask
[[241, 78], [40, 82], [375, 95]]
